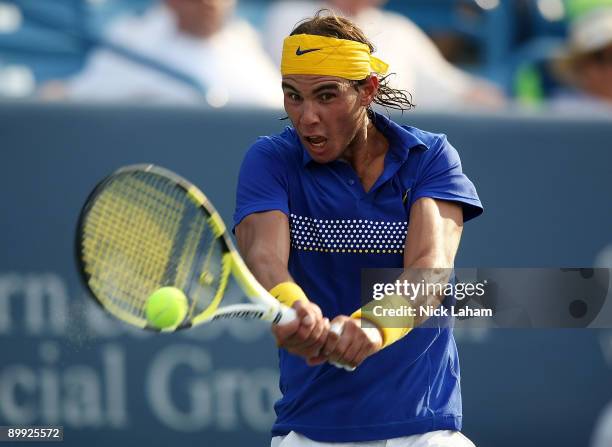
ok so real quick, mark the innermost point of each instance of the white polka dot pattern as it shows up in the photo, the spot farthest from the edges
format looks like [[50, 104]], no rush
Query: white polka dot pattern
[[347, 236]]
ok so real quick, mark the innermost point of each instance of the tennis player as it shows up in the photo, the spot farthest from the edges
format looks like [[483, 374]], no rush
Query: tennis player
[[346, 188]]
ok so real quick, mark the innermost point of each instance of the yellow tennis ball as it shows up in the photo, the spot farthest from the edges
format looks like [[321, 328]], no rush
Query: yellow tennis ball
[[166, 307]]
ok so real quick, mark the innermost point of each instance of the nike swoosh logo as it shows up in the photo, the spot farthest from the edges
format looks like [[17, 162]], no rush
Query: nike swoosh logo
[[300, 52]]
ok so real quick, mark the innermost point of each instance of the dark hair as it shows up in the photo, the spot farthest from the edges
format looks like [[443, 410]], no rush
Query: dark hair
[[326, 23]]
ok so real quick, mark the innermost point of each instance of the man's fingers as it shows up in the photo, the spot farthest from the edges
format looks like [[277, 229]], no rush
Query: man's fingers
[[306, 330], [317, 360], [352, 347], [311, 333], [350, 354], [311, 347], [307, 323], [363, 354], [332, 340], [285, 330], [337, 354], [304, 314]]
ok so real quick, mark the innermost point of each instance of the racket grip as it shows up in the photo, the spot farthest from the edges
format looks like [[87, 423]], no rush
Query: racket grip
[[287, 315], [342, 366]]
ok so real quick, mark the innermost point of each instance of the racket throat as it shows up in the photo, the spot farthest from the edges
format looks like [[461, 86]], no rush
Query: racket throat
[[245, 312]]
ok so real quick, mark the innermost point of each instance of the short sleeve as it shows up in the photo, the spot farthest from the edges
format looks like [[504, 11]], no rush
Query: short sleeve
[[262, 182], [440, 176]]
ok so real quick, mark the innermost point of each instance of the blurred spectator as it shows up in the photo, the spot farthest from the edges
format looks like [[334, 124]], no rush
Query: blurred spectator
[[179, 51], [418, 65], [586, 66]]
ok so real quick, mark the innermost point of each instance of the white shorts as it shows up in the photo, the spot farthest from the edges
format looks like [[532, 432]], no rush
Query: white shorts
[[440, 438]]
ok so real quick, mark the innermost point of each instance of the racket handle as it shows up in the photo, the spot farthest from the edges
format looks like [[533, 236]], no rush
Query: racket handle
[[342, 366], [287, 315]]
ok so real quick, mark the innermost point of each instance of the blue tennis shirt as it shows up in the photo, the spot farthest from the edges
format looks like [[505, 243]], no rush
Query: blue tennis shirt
[[337, 229]]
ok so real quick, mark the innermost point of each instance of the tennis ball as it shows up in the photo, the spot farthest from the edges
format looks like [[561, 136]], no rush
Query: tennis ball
[[166, 307]]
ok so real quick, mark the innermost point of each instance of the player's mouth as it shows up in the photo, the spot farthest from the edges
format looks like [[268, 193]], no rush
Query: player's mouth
[[316, 142]]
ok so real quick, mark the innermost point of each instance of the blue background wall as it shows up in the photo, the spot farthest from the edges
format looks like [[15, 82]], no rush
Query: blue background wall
[[545, 183]]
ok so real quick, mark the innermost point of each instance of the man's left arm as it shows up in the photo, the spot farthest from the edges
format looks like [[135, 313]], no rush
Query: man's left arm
[[434, 234]]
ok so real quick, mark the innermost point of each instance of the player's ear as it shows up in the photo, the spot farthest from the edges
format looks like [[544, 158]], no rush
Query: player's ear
[[369, 90]]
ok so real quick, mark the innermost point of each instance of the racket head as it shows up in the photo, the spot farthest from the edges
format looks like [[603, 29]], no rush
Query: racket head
[[144, 227]]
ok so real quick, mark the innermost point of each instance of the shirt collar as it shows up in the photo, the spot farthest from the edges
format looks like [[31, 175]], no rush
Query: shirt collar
[[306, 158], [401, 140]]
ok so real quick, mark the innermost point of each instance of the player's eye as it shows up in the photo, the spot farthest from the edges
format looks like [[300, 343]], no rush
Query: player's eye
[[293, 96], [326, 97]]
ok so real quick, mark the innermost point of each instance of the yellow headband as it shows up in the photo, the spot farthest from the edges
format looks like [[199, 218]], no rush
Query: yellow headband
[[306, 54]]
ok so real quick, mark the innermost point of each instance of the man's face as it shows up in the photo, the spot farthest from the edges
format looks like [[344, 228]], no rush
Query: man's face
[[200, 18], [327, 113], [596, 74], [354, 7]]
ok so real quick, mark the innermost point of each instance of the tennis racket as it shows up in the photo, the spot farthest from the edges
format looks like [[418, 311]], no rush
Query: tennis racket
[[143, 228]]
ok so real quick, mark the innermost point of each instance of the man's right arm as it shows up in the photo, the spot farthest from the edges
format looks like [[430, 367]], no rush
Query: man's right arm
[[263, 240]]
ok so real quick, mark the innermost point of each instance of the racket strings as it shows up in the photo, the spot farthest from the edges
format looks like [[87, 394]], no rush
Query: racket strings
[[165, 208], [129, 235], [201, 280], [212, 280], [185, 262], [143, 232]]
